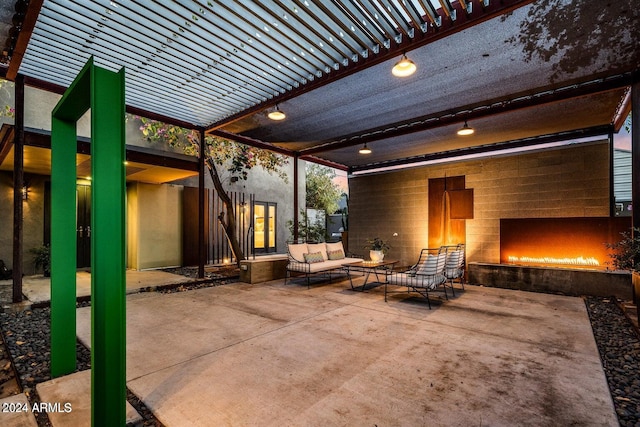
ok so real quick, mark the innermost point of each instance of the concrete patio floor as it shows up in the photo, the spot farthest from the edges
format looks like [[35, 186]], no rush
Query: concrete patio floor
[[270, 354], [38, 288]]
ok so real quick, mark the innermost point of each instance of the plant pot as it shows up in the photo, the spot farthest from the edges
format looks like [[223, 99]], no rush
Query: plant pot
[[376, 256]]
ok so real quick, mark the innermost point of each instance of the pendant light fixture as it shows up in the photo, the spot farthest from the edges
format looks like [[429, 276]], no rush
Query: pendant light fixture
[[365, 149], [404, 68], [466, 130], [277, 114]]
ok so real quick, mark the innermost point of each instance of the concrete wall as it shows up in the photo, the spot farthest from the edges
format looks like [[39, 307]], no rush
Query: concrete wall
[[33, 226], [6, 218], [154, 225], [564, 182], [565, 281]]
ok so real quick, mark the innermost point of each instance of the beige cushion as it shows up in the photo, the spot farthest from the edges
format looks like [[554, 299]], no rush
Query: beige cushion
[[335, 246], [318, 247], [428, 282], [297, 251]]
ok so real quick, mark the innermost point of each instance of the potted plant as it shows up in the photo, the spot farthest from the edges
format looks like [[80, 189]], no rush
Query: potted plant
[[377, 248], [626, 252], [626, 256], [42, 259]]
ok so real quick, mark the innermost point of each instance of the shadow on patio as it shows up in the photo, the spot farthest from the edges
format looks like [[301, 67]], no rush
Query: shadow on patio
[[271, 354]]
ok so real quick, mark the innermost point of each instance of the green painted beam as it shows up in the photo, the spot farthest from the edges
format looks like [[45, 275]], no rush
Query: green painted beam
[[108, 334], [103, 92], [63, 247]]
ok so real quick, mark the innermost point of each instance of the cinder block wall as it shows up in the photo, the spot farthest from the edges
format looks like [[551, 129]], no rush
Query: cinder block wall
[[564, 182]]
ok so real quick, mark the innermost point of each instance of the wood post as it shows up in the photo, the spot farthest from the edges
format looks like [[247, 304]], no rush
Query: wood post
[[18, 183], [202, 253]]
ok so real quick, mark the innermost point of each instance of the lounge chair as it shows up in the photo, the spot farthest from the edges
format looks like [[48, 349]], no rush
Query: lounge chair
[[454, 266], [424, 277]]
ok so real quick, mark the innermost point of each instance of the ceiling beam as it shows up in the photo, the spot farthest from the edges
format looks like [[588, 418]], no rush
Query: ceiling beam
[[44, 85], [251, 142], [42, 139], [448, 27], [60, 90], [324, 162], [160, 118], [138, 156], [29, 23], [488, 148], [622, 112], [469, 112]]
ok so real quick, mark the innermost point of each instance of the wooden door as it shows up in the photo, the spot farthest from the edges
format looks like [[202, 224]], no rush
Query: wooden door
[[83, 226]]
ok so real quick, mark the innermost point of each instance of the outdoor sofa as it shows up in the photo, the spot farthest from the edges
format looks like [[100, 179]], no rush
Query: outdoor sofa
[[317, 258]]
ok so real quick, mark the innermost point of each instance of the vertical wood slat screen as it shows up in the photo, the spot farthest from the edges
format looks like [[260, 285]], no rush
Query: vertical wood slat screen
[[218, 248]]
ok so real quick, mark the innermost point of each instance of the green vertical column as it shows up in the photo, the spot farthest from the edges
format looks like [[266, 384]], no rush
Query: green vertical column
[[108, 249], [63, 247], [101, 91]]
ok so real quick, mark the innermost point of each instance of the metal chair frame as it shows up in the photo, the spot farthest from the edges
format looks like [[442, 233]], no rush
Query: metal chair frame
[[417, 280]]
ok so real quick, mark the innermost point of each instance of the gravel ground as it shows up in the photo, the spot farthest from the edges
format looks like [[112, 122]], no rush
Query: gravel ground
[[26, 335], [619, 346]]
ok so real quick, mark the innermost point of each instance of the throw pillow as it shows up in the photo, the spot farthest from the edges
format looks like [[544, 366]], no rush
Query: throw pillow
[[339, 254], [313, 257]]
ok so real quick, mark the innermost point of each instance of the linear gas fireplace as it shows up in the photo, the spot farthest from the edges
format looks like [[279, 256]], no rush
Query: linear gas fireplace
[[560, 242]]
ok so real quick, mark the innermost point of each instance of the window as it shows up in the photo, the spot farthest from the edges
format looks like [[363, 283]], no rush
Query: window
[[264, 226]]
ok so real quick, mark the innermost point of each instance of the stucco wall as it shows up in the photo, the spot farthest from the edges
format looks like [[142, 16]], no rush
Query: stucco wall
[[6, 218], [133, 222], [565, 182], [267, 188], [154, 225], [39, 104], [33, 226], [37, 109]]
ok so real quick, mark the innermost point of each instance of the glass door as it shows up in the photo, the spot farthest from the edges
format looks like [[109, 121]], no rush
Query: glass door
[[264, 227]]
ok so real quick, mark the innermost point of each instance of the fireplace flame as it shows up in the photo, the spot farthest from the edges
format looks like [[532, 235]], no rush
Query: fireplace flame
[[581, 261]]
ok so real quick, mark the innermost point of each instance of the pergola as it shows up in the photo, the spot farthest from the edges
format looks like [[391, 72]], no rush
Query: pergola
[[521, 72]]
